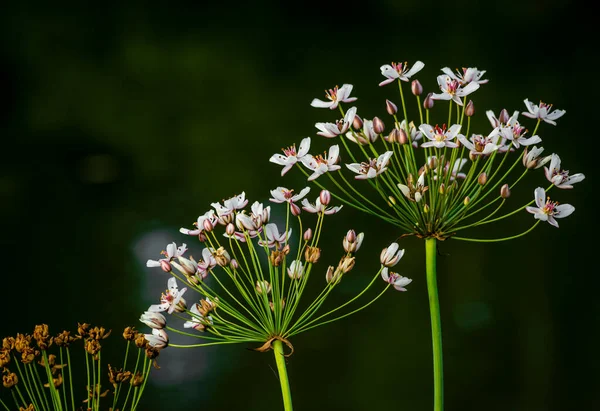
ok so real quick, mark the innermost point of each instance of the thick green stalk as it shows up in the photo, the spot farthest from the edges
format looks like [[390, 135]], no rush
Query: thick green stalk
[[283, 377], [436, 324]]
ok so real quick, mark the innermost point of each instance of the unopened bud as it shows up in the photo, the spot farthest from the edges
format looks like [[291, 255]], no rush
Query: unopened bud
[[352, 242], [394, 136], [472, 156], [187, 267], [329, 274], [230, 229], [325, 197], [505, 191], [295, 209], [392, 200], [312, 254], [426, 208], [234, 264], [357, 123], [442, 189], [263, 287], [391, 107], [378, 125], [202, 237], [503, 117], [208, 226], [307, 234], [165, 265], [432, 163], [403, 137], [482, 179], [428, 102], [416, 88], [467, 200], [470, 109]]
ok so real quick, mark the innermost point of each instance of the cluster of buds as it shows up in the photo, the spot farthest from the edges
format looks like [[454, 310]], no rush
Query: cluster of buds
[[437, 178], [245, 294], [52, 353]]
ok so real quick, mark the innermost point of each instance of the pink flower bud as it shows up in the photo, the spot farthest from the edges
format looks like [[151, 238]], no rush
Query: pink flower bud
[[350, 236], [202, 237], [325, 197], [230, 229], [428, 102], [378, 125], [307, 234], [403, 139], [234, 264], [505, 191], [295, 209], [482, 179], [394, 136], [391, 107], [416, 88], [357, 123], [470, 109], [165, 265], [208, 226], [432, 163], [503, 117]]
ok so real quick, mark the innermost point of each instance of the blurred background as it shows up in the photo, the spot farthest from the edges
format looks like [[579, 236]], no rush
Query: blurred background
[[122, 122]]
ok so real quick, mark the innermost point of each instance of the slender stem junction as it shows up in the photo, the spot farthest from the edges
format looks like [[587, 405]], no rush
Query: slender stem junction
[[283, 377]]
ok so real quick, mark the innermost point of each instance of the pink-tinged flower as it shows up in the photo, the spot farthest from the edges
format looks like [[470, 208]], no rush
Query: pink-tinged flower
[[394, 279], [284, 195], [497, 121], [561, 178], [331, 130], [172, 252], [335, 96], [225, 212], [158, 339], [273, 237], [207, 263], [154, 320], [171, 299], [468, 75], [452, 90], [414, 192], [513, 131], [543, 112], [209, 217], [479, 145], [390, 256], [532, 158], [399, 71], [364, 137], [295, 270], [440, 137], [372, 168], [319, 207], [291, 157], [197, 321], [352, 242], [319, 165], [547, 210]]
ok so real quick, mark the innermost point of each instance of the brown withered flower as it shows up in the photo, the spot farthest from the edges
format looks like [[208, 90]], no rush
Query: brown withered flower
[[130, 333], [312, 254], [140, 340], [8, 343], [28, 354], [98, 333], [64, 339], [9, 379], [137, 379], [22, 341], [42, 337], [4, 356], [92, 347], [82, 329], [29, 408], [56, 381]]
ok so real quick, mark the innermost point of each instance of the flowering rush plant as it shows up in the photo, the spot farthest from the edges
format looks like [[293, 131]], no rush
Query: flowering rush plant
[[435, 179], [251, 280], [38, 372]]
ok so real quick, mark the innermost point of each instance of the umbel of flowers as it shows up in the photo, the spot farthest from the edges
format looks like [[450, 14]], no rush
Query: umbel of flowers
[[38, 372], [435, 179], [251, 281]]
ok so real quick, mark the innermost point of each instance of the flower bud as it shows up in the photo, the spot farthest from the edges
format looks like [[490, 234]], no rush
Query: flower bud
[[392, 200], [234, 264], [187, 267], [312, 254], [346, 264], [202, 237], [378, 125], [472, 156], [426, 208], [394, 136], [307, 234], [181, 306], [467, 200], [505, 191], [432, 163], [403, 137], [165, 265], [390, 256], [470, 109], [208, 226], [154, 320], [503, 117], [295, 270], [442, 189], [416, 88], [230, 229], [295, 209], [329, 274], [325, 197], [428, 102], [352, 242], [391, 108], [263, 287], [273, 306], [357, 123], [482, 179]]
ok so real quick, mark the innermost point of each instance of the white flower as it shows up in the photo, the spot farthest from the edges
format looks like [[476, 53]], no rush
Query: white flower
[[547, 210], [543, 112], [399, 71], [295, 270], [172, 252], [291, 157], [158, 339], [468, 75], [225, 211], [335, 96], [318, 207], [391, 255], [320, 165], [364, 137], [439, 137], [394, 279], [154, 320], [532, 159], [208, 216], [372, 168], [331, 130], [207, 263], [561, 178], [514, 132], [478, 144], [495, 121], [414, 192], [452, 90], [274, 238], [170, 298], [198, 322], [284, 195]]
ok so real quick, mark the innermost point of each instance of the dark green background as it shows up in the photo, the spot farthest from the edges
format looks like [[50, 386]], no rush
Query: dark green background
[[122, 122]]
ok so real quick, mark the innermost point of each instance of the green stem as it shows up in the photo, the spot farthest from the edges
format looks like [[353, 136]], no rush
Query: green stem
[[436, 324], [283, 377]]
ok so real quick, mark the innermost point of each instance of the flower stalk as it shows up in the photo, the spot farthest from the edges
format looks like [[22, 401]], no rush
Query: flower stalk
[[283, 377], [436, 323]]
